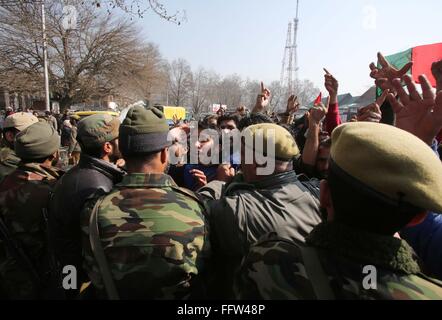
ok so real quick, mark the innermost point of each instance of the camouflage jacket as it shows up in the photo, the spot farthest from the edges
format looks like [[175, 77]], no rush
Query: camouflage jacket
[[24, 195], [334, 266], [240, 214], [8, 162], [154, 237]]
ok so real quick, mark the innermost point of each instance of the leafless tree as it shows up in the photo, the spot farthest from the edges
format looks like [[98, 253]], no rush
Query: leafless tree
[[144, 79], [199, 91], [141, 7], [250, 89], [278, 99], [180, 81], [203, 91], [85, 60], [229, 91], [306, 92]]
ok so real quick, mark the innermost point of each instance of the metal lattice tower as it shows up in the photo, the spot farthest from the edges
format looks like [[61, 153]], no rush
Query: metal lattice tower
[[289, 72], [287, 62]]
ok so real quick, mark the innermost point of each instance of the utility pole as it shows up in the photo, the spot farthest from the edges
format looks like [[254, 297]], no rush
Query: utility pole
[[45, 56]]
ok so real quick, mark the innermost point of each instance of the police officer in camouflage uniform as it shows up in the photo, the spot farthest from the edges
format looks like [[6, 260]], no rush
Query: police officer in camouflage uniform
[[98, 137], [242, 212], [24, 197], [146, 239], [11, 127], [380, 180]]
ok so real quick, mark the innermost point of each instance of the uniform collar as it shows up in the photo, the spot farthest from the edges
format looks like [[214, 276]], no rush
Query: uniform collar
[[276, 180], [45, 172], [140, 180], [382, 251], [108, 169]]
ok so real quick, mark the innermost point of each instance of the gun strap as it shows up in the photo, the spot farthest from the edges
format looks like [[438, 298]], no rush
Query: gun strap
[[97, 249], [316, 274]]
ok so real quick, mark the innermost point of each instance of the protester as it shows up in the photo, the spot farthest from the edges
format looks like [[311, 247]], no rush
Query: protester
[[208, 156], [74, 149], [228, 122], [51, 120]]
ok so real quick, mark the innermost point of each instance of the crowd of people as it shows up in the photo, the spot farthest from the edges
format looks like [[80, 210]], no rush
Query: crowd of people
[[236, 206]]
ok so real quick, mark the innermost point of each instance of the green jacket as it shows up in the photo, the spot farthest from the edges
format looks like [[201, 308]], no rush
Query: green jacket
[[240, 214], [24, 194], [332, 267], [8, 162], [154, 237]]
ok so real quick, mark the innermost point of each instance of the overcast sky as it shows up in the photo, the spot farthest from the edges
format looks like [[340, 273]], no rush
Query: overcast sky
[[247, 37]]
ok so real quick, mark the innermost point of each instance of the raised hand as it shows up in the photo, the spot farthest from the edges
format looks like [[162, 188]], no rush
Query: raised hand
[[120, 163], [292, 104], [387, 73], [176, 120], [225, 173], [332, 86], [200, 177], [372, 112], [418, 114], [316, 114], [263, 99]]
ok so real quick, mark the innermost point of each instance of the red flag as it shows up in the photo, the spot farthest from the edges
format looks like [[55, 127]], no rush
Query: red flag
[[423, 58], [318, 99]]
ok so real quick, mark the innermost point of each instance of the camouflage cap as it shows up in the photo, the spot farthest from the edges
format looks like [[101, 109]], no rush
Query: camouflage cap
[[258, 137], [97, 129], [37, 141], [19, 121], [389, 162], [143, 131]]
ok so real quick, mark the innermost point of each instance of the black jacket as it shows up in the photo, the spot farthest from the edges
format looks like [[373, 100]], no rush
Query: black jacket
[[90, 176]]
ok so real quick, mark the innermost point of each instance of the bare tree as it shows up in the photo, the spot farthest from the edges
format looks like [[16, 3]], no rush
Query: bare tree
[[141, 7], [199, 91], [278, 100], [180, 81], [230, 91], [250, 89], [203, 91], [84, 60], [142, 80], [306, 91]]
